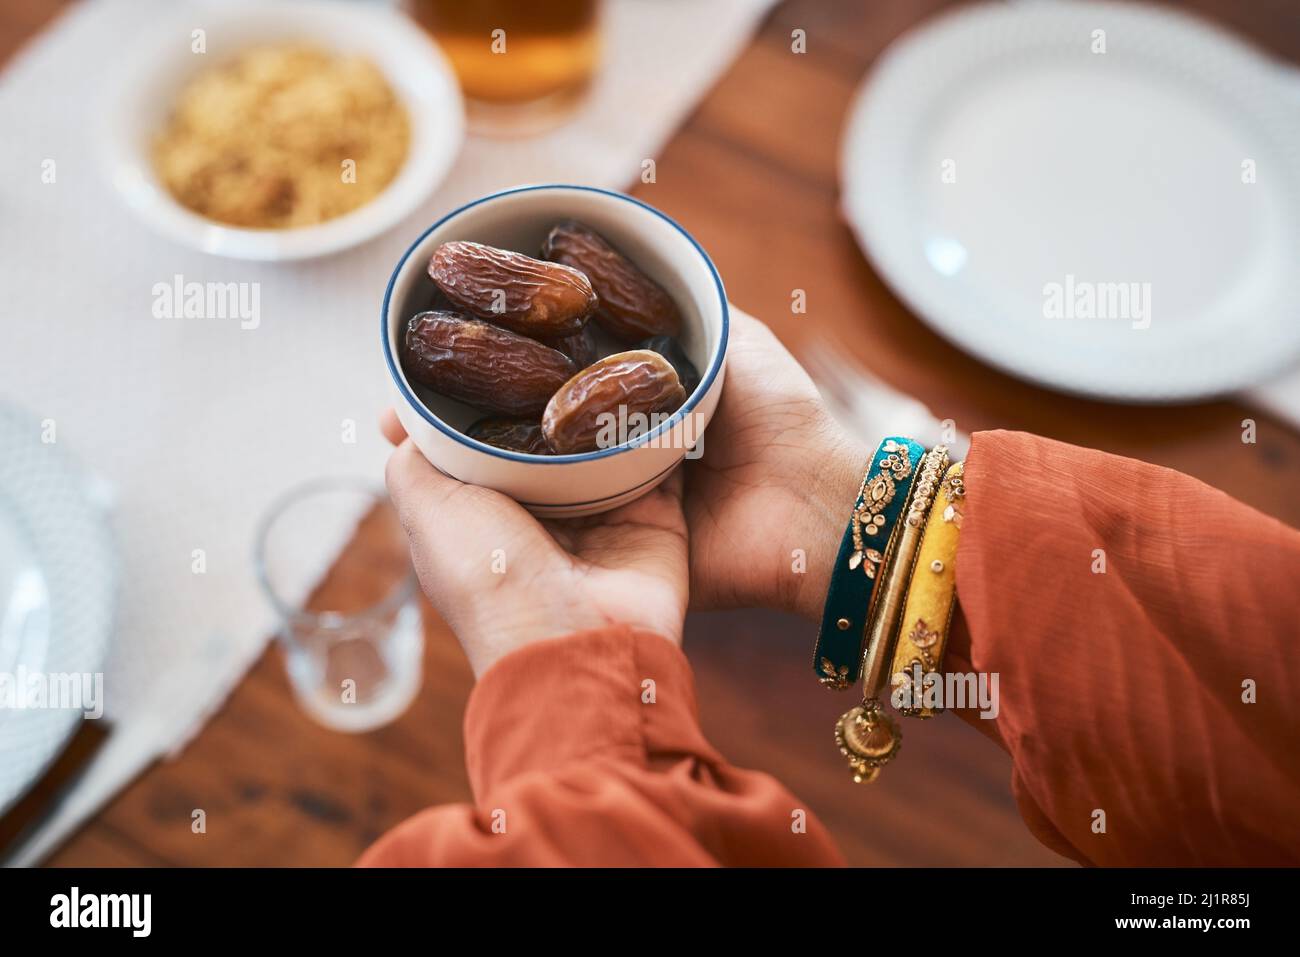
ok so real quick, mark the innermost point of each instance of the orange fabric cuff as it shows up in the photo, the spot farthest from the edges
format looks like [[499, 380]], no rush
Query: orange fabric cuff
[[1123, 607], [613, 691]]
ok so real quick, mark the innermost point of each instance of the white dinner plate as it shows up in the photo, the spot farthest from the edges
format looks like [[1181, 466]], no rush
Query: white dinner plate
[[1123, 224], [57, 590]]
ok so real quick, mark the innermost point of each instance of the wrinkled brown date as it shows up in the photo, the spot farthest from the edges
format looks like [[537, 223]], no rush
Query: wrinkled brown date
[[632, 305], [526, 295], [508, 432], [483, 365], [630, 383]]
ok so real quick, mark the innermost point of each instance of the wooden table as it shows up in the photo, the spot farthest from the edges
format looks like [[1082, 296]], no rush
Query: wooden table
[[753, 175]]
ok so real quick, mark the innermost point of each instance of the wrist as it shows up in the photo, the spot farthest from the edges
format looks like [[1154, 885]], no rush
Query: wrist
[[492, 627], [825, 504], [488, 638]]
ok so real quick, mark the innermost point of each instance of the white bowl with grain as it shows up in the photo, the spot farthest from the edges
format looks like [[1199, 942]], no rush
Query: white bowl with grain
[[142, 97]]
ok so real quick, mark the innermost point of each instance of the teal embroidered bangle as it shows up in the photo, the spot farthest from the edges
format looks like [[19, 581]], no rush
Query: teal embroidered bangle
[[837, 659]]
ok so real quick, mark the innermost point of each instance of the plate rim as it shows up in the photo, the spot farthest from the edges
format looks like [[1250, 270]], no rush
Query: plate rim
[[83, 602]]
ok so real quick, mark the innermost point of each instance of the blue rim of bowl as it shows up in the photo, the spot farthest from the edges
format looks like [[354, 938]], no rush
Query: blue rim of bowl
[[692, 400]]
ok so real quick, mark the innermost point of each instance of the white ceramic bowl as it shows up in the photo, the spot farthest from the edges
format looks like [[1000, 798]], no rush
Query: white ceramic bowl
[[139, 102], [590, 482]]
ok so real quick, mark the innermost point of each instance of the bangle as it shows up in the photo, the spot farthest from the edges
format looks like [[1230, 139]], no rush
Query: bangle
[[866, 736], [931, 599], [837, 658], [889, 599]]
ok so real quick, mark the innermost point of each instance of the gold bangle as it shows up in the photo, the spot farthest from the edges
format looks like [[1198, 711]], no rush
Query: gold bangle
[[867, 736], [884, 616], [931, 598]]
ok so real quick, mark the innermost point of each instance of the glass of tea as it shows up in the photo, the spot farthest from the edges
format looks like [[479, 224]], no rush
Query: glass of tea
[[522, 64]]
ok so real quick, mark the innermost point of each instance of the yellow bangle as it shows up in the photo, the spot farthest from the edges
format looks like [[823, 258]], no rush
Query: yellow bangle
[[887, 603], [931, 598]]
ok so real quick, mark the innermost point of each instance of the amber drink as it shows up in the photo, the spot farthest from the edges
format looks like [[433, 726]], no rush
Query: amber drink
[[516, 57]]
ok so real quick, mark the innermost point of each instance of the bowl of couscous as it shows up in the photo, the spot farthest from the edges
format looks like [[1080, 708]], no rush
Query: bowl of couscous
[[281, 131]]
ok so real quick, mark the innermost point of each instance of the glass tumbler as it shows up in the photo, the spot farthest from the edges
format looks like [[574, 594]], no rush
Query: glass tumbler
[[523, 65], [333, 561]]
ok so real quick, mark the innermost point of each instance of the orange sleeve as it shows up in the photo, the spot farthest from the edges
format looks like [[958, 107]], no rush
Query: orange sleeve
[[587, 750], [1126, 690]]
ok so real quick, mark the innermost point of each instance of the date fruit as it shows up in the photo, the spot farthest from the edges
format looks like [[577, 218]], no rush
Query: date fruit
[[671, 349], [481, 364], [632, 305], [509, 432], [623, 385], [531, 297]]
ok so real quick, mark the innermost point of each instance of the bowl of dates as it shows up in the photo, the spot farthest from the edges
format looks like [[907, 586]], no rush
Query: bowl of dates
[[564, 345]]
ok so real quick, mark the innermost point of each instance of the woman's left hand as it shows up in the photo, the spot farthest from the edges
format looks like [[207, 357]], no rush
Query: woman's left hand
[[502, 579]]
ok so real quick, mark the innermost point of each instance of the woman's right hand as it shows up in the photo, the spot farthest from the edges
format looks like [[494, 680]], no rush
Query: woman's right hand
[[768, 501]]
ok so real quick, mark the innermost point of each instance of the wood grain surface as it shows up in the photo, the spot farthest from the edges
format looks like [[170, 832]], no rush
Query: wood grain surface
[[752, 175]]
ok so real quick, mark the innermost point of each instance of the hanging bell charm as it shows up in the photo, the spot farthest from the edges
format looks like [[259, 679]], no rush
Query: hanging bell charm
[[868, 738]]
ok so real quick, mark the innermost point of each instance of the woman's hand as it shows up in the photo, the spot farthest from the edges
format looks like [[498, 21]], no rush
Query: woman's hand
[[768, 501], [502, 579]]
